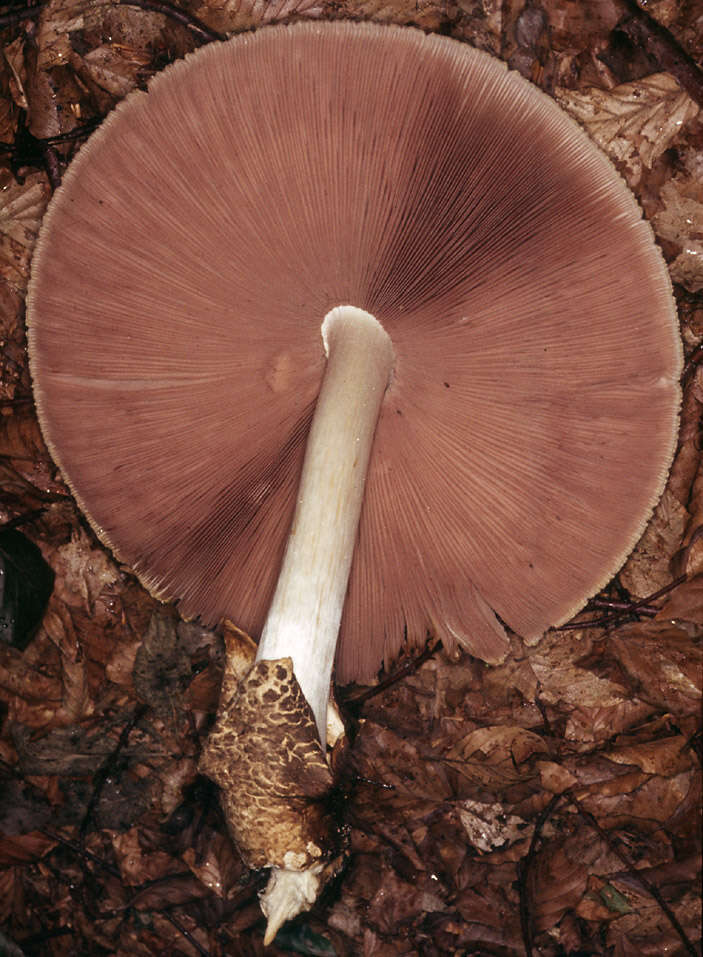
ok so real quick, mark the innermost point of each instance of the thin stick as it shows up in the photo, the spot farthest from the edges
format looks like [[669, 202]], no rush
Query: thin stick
[[612, 619], [661, 47]]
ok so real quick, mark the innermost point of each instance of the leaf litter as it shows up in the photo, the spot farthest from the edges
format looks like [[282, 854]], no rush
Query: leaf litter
[[549, 805]]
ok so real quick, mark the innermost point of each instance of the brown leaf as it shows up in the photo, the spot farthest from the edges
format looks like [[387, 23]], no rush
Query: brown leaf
[[138, 866], [20, 437], [635, 122], [234, 15], [83, 571], [649, 566], [667, 756], [554, 662], [685, 603], [488, 826], [59, 626], [499, 745], [559, 876], [114, 70], [21, 209], [687, 461], [663, 663], [24, 848], [396, 901], [14, 56], [654, 799], [218, 868], [680, 222], [692, 556]]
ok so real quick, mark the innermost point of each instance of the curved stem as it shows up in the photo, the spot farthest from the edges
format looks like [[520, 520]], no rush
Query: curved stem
[[304, 617]]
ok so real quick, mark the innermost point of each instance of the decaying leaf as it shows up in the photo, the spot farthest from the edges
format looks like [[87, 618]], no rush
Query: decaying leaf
[[488, 826], [559, 876], [21, 209], [115, 70], [236, 15], [162, 669], [14, 57], [83, 570], [663, 663], [649, 566], [680, 222], [563, 680], [634, 122]]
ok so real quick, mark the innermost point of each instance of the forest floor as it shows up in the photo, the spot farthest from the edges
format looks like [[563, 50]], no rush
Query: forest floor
[[550, 805]]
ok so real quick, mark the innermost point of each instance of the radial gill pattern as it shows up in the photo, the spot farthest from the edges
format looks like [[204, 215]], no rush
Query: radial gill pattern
[[204, 232]]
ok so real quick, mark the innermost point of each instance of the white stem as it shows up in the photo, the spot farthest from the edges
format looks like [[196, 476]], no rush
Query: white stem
[[303, 620]]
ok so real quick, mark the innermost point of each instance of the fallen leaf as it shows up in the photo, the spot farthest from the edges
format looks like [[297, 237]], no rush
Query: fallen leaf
[[14, 56], [488, 826], [138, 866], [663, 663], [634, 123], [83, 571], [22, 207], [558, 877], [680, 222], [667, 756], [554, 662], [649, 566]]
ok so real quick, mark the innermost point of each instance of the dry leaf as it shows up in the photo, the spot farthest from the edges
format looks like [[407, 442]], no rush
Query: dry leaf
[[22, 207], [680, 222], [59, 626], [218, 868], [663, 663], [14, 56], [553, 661], [667, 756], [229, 16], [114, 69], [83, 571], [135, 865], [634, 123], [685, 603], [60, 18], [649, 566], [559, 876], [488, 826], [693, 541]]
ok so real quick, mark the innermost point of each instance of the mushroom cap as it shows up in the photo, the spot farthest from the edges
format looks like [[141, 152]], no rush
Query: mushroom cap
[[205, 230]]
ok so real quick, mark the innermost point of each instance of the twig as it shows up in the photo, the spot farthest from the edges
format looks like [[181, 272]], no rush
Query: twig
[[668, 55], [523, 869], [196, 26], [103, 772], [634, 608], [188, 936], [409, 668], [626, 606]]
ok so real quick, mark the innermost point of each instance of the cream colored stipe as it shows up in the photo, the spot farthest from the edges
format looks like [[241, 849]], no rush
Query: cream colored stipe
[[306, 609], [532, 415]]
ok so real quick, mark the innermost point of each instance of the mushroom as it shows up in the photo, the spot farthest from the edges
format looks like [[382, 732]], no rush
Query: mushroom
[[499, 323]]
